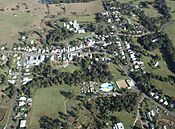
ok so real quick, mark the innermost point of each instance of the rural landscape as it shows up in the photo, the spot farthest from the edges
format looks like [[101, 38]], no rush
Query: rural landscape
[[87, 64]]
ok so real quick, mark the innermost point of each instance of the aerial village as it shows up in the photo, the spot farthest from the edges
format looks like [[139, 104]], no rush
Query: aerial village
[[26, 55]]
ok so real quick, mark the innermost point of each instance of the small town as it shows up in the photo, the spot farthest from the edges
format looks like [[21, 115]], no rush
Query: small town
[[110, 67]]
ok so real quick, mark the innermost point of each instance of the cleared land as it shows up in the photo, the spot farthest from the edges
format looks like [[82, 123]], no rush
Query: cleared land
[[19, 16], [48, 101]]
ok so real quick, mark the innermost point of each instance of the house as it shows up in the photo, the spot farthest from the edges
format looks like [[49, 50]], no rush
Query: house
[[156, 97], [156, 64], [152, 113], [12, 81], [130, 83], [22, 124], [149, 117], [118, 126], [21, 103], [165, 103], [152, 94], [23, 98]]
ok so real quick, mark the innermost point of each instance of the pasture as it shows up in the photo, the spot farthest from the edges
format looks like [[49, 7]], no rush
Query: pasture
[[18, 16], [48, 101]]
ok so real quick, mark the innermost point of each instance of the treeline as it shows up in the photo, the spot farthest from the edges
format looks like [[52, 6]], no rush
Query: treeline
[[46, 75], [161, 41]]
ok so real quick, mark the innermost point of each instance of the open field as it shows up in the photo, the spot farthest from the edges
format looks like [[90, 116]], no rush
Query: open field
[[151, 12], [167, 88], [18, 16], [163, 70], [126, 118], [48, 101], [170, 30]]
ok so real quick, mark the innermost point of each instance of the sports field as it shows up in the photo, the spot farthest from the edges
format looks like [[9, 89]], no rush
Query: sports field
[[48, 101]]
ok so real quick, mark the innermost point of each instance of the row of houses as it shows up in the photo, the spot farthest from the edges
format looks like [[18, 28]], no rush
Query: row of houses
[[162, 100], [24, 104], [15, 68]]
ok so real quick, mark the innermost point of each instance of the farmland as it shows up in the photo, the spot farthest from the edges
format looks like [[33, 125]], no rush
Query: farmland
[[19, 16]]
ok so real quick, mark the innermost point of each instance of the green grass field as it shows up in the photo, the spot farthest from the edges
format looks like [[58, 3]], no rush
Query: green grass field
[[126, 118], [11, 25], [170, 30], [151, 12], [48, 101], [167, 88], [163, 70]]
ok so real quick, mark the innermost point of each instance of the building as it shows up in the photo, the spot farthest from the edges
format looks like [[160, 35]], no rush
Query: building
[[22, 124], [122, 84], [118, 126], [130, 83]]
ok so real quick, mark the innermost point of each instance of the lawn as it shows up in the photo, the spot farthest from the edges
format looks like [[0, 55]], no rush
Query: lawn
[[167, 88], [48, 101], [126, 118]]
